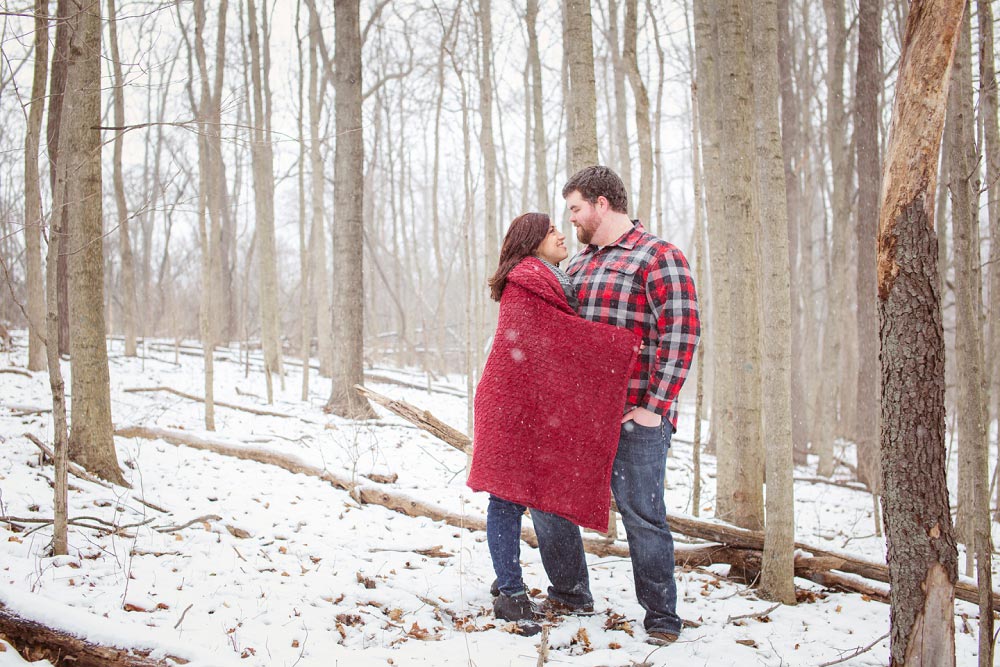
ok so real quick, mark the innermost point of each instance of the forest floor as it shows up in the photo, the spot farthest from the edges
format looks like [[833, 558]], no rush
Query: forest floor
[[287, 570]]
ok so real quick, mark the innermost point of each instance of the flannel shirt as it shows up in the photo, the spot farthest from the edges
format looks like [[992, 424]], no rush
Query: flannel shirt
[[641, 282]]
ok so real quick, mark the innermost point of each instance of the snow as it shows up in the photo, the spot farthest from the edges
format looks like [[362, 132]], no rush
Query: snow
[[285, 569]]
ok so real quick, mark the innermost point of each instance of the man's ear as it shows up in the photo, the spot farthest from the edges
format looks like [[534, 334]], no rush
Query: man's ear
[[602, 204]]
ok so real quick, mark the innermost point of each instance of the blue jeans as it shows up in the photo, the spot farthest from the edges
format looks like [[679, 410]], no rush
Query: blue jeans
[[637, 484], [503, 535]]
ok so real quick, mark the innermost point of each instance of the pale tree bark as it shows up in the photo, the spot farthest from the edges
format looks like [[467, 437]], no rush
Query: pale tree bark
[[740, 496], [305, 342], [972, 522], [33, 216], [57, 90], [348, 195], [835, 327], [699, 230], [866, 120], [263, 186], [489, 152], [921, 547], [645, 206], [542, 202], [621, 151], [319, 278], [91, 442], [991, 147], [129, 307], [582, 97], [790, 141], [707, 48], [657, 142], [778, 566]]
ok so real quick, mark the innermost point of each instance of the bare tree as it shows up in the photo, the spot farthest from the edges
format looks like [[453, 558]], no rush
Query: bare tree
[[778, 567], [645, 204], [129, 308], [33, 216], [91, 442], [538, 111], [57, 89], [582, 98], [921, 547], [348, 268]]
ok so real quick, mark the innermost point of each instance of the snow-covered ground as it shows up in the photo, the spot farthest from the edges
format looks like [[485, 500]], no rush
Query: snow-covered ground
[[283, 569]]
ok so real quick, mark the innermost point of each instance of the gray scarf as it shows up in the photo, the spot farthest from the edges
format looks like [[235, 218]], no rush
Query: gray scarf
[[565, 282]]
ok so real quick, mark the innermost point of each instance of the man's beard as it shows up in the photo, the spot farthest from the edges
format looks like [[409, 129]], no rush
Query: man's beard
[[584, 233]]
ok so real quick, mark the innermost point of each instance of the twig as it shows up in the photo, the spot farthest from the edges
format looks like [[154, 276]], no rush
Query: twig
[[758, 614], [183, 614], [543, 646], [174, 529], [856, 652]]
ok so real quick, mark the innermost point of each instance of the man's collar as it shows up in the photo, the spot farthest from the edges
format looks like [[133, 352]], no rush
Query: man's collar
[[626, 240]]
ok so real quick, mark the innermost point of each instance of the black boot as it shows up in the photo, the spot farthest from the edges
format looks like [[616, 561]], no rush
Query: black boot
[[518, 609]]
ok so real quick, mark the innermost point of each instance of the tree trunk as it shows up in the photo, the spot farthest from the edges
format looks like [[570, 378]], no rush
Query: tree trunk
[[582, 98], [538, 129], [33, 216], [777, 576], [305, 333], [129, 307], [644, 208], [348, 195], [699, 230], [57, 90], [91, 442], [921, 546], [621, 151], [790, 142], [866, 121], [263, 187], [740, 495]]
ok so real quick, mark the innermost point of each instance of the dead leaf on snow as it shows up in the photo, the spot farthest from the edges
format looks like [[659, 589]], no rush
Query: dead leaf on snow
[[434, 552], [747, 642], [368, 582], [238, 533]]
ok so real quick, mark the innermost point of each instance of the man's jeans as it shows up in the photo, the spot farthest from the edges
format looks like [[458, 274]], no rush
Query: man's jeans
[[503, 535], [637, 485]]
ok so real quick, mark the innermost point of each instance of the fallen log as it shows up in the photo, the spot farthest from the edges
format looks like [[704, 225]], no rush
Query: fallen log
[[16, 371], [62, 648], [691, 556], [422, 419], [220, 404], [711, 531]]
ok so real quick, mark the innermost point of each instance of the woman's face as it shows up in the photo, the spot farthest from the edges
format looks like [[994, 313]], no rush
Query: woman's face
[[553, 248]]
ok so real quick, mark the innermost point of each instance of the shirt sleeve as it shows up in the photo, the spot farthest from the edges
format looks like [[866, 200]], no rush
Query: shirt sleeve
[[671, 296]]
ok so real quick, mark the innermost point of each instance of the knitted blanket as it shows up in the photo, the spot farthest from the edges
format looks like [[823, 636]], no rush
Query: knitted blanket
[[548, 407]]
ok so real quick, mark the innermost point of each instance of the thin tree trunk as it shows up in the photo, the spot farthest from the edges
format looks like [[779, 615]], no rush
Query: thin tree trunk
[[304, 318], [699, 230], [348, 268], [778, 573], [129, 307], [645, 205], [33, 216], [921, 547], [621, 153], [57, 90], [91, 442], [263, 187], [743, 492], [582, 98], [866, 118], [538, 129]]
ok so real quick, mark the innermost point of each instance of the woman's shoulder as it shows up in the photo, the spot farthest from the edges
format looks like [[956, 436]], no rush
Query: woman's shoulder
[[530, 266]]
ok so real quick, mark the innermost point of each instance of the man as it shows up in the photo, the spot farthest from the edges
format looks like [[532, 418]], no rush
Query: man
[[631, 279]]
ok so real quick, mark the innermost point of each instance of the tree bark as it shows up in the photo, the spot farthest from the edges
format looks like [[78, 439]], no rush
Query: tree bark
[[129, 307], [866, 122], [348, 194], [740, 493], [645, 201], [621, 150], [33, 216], [921, 546], [777, 576], [91, 442], [582, 98], [57, 90], [538, 111], [263, 186]]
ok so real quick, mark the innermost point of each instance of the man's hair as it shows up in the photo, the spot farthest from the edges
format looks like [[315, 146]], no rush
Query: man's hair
[[599, 181]]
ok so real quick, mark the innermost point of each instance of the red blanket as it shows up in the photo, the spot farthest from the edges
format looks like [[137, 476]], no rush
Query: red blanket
[[548, 408]]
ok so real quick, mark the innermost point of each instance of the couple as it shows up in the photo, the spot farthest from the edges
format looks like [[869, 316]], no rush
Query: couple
[[579, 394]]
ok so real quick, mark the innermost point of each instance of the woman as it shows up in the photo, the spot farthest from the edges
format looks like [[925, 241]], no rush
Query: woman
[[548, 407]]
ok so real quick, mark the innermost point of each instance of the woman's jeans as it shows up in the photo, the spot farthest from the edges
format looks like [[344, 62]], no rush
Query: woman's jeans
[[637, 484], [503, 535]]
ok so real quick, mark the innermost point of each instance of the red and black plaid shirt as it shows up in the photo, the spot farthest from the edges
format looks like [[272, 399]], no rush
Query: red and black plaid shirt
[[641, 282]]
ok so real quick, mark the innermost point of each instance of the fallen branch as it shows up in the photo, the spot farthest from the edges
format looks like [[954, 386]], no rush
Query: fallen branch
[[58, 646], [422, 419], [855, 654], [25, 410], [16, 371], [731, 536], [77, 471], [221, 404], [759, 614], [200, 519]]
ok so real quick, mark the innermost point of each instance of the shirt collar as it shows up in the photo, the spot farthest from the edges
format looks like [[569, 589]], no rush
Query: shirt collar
[[626, 240]]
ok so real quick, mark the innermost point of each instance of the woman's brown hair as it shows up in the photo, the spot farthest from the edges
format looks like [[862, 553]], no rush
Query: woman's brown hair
[[525, 234]]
